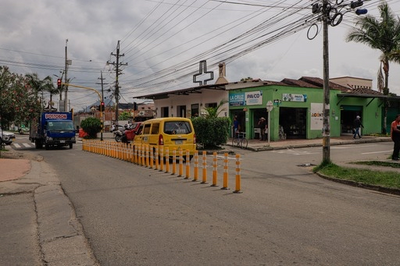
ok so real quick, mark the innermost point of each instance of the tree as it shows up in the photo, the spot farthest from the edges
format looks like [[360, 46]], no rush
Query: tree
[[18, 102], [91, 126], [383, 34], [213, 112], [211, 130]]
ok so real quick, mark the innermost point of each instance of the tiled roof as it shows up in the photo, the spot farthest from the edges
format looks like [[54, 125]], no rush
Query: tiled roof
[[299, 83], [320, 83], [365, 91]]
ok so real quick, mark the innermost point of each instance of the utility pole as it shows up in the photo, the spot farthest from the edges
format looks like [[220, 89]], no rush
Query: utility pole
[[117, 64], [65, 77], [102, 114], [326, 131], [66, 81], [332, 15]]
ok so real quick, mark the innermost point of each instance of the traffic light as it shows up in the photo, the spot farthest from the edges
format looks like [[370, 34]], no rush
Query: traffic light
[[101, 107], [134, 106], [59, 84]]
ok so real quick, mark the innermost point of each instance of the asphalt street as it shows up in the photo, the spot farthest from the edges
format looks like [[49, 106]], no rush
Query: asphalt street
[[41, 225]]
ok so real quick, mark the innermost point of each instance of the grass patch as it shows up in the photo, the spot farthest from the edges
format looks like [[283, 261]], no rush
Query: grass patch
[[379, 163], [364, 176]]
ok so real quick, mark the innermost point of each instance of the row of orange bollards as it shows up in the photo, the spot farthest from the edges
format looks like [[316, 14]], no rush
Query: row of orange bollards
[[151, 157]]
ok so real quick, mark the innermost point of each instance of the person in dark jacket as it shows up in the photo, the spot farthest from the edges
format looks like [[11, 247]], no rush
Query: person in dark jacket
[[357, 125]]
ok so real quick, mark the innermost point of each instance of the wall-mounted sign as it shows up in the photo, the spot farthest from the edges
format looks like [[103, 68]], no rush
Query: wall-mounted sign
[[289, 97], [254, 98], [237, 99], [316, 116]]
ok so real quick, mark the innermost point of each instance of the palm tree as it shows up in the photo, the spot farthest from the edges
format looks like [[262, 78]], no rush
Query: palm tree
[[39, 85], [213, 112], [382, 34]]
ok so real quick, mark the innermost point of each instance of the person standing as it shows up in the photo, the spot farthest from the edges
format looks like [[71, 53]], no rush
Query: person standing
[[395, 135], [235, 126], [357, 125], [262, 124]]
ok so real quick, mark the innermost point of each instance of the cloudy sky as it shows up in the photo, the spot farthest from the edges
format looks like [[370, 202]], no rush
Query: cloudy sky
[[162, 42]]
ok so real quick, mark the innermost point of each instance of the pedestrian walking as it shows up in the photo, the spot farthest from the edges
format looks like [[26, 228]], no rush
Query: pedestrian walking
[[356, 127], [395, 135]]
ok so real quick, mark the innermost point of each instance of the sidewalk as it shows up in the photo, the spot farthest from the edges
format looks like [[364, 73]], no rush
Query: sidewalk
[[257, 145]]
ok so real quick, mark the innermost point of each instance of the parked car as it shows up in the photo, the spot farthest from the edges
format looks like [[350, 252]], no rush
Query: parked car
[[6, 137], [168, 132]]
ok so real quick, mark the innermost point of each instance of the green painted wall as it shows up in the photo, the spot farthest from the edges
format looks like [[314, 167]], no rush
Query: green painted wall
[[371, 110]]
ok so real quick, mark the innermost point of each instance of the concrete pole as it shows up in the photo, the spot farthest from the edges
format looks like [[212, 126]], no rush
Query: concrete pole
[[326, 104]]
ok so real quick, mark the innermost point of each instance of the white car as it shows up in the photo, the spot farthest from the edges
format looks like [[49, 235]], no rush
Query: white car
[[6, 137]]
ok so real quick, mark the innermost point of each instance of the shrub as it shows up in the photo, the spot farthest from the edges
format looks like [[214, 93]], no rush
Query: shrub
[[91, 126], [211, 132]]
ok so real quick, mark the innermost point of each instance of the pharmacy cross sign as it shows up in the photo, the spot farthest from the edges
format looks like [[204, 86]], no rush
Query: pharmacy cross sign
[[203, 73]]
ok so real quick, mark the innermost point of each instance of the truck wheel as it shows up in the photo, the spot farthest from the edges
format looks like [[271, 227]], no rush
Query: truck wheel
[[70, 146], [38, 144]]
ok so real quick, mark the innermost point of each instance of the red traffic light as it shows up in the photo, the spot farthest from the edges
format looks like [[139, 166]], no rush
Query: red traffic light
[[59, 83]]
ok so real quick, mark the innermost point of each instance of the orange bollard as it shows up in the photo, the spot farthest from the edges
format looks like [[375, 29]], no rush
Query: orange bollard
[[214, 183], [173, 161], [180, 162], [161, 159], [151, 158], [187, 164], [196, 166], [147, 156], [237, 187], [156, 159], [225, 177], [204, 181], [167, 160]]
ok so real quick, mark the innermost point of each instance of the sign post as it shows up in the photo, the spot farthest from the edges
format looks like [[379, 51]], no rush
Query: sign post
[[270, 106]]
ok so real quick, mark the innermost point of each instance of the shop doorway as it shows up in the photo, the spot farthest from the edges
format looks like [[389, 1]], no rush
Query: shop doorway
[[293, 121], [347, 120], [257, 114]]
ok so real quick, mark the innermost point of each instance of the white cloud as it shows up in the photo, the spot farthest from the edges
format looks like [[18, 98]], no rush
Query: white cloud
[[34, 32]]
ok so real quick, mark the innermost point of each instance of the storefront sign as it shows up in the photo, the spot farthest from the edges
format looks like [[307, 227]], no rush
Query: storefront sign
[[289, 97], [254, 98], [316, 116], [237, 99]]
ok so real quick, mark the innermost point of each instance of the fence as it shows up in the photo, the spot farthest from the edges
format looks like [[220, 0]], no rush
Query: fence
[[159, 159]]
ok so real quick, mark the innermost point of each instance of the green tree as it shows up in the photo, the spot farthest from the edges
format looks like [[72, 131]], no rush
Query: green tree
[[124, 115], [91, 126], [382, 34], [213, 112], [17, 100], [211, 130]]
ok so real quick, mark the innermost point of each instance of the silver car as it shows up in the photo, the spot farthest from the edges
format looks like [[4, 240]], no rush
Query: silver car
[[6, 137]]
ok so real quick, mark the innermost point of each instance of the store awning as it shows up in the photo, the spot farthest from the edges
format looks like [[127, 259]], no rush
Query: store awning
[[371, 96]]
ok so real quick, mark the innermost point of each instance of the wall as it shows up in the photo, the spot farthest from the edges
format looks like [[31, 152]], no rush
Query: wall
[[206, 96]]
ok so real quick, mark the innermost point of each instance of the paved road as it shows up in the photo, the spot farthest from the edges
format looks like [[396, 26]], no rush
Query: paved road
[[285, 215]]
